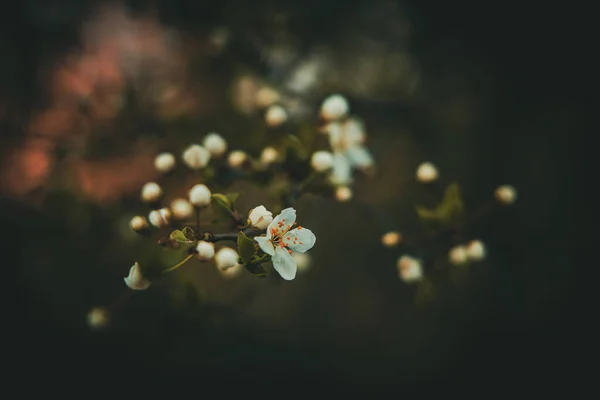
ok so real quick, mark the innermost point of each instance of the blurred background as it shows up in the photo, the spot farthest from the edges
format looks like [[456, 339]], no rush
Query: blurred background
[[91, 91]]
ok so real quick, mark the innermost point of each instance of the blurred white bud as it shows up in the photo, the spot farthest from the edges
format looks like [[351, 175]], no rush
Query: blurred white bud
[[303, 260], [200, 195], [231, 271], [343, 193], [265, 97], [476, 250], [215, 144], [160, 218], [164, 162], [97, 318], [391, 239], [196, 156], [506, 194], [409, 269], [151, 192], [236, 158], [334, 107], [181, 209], [226, 258], [269, 155], [138, 223], [135, 280], [458, 255], [259, 217], [275, 115], [206, 250], [321, 161], [427, 172]]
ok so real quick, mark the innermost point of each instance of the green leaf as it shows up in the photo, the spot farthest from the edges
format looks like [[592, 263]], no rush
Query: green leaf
[[179, 237], [246, 248], [448, 211], [232, 197], [221, 205], [293, 143], [427, 214], [256, 270], [189, 233]]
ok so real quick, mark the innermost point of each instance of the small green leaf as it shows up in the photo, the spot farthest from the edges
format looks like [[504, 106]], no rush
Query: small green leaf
[[179, 237], [189, 233], [451, 207], [232, 197], [256, 270], [246, 248], [222, 200], [221, 205], [427, 214]]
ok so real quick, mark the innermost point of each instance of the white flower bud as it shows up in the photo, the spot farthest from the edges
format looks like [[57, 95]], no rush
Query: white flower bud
[[343, 193], [458, 255], [506, 194], [236, 158], [181, 209], [138, 223], [427, 172], [151, 192], [259, 217], [391, 239], [409, 269], [334, 107], [321, 161], [265, 97], [200, 195], [215, 144], [231, 271], [275, 116], [164, 162], [303, 260], [206, 250], [269, 155], [160, 218], [476, 250], [196, 156], [226, 258], [135, 280], [97, 318]]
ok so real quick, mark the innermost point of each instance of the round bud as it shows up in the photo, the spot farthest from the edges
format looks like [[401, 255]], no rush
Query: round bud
[[196, 156], [334, 107], [236, 158], [231, 271], [138, 224], [259, 217], [97, 318], [265, 97], [215, 144], [391, 239], [269, 155], [200, 195], [506, 194], [427, 172], [321, 161], [458, 255], [160, 218], [343, 193], [151, 192], [164, 162], [275, 116], [226, 258], [181, 209], [409, 269], [476, 250], [206, 250]]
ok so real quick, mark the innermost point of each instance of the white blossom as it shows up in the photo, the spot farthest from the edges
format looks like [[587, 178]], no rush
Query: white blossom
[[269, 155], [138, 223], [259, 217], [475, 250], [343, 193], [506, 194], [282, 238], [391, 239], [164, 162], [135, 280], [205, 250], [275, 115], [181, 209], [347, 142], [226, 257], [215, 144], [321, 161], [231, 271], [458, 255], [196, 156], [334, 107], [236, 158], [427, 172], [160, 218], [409, 269], [151, 192], [200, 195]]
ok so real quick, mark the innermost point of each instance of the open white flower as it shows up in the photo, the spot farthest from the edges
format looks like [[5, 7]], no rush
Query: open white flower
[[135, 280], [282, 238], [259, 217], [347, 142]]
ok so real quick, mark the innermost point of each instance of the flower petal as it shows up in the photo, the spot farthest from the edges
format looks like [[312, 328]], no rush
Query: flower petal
[[359, 156], [265, 245], [284, 264], [282, 222], [300, 240], [341, 174]]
